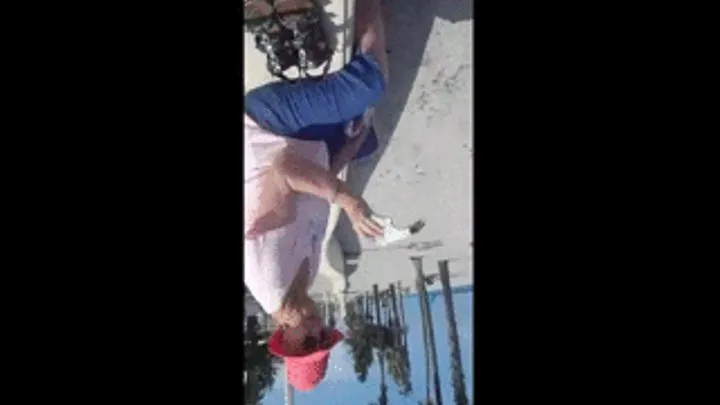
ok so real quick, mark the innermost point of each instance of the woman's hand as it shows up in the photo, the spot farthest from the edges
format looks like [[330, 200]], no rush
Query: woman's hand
[[359, 212], [357, 133], [303, 176]]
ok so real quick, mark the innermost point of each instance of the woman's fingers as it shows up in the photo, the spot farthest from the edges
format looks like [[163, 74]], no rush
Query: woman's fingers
[[363, 230], [359, 214], [368, 228], [374, 226]]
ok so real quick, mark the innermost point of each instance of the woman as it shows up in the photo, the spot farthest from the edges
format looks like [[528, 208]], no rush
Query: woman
[[295, 144]]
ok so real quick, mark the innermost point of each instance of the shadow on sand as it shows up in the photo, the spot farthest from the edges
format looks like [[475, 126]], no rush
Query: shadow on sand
[[407, 28]]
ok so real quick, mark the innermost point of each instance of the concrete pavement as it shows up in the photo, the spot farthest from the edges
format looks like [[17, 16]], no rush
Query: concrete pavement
[[423, 167]]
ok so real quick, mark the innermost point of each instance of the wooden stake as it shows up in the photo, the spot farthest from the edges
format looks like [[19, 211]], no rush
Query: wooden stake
[[429, 331], [458, 378]]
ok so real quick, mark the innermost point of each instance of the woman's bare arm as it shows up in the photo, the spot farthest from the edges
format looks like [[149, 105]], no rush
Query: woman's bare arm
[[304, 176], [289, 174]]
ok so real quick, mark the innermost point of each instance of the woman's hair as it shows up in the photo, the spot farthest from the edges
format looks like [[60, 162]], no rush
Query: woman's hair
[[312, 343], [302, 326], [297, 304], [295, 309]]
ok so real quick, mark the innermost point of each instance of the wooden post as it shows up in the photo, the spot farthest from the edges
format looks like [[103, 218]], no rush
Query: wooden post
[[425, 308], [393, 302], [376, 300], [395, 324], [381, 332], [402, 312], [386, 309], [417, 262], [458, 378], [402, 305], [367, 306]]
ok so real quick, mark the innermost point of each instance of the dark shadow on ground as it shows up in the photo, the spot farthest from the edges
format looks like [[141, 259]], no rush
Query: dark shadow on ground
[[330, 27], [407, 28]]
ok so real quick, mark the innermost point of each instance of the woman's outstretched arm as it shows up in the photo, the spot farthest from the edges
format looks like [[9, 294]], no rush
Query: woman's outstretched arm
[[304, 176]]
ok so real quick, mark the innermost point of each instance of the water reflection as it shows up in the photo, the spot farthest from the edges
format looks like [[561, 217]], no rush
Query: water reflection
[[373, 364]]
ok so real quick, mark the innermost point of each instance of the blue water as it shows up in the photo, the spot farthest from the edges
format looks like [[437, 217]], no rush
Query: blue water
[[341, 387]]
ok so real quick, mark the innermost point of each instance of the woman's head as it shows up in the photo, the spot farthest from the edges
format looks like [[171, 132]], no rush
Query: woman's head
[[302, 326], [302, 339], [304, 343]]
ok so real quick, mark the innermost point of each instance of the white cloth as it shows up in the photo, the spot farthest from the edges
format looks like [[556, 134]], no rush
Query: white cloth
[[273, 259], [390, 232]]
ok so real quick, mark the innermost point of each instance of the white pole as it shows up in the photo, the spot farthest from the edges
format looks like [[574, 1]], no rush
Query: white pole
[[288, 389], [343, 306], [327, 307]]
